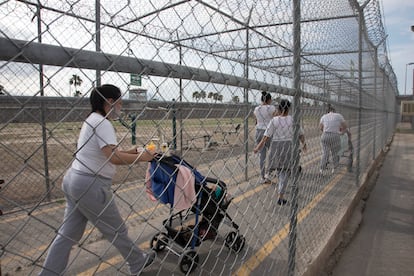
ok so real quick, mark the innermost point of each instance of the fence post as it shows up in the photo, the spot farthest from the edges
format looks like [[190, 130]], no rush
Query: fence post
[[174, 126], [293, 217], [98, 37], [246, 101], [360, 9], [375, 105], [42, 108], [133, 118]]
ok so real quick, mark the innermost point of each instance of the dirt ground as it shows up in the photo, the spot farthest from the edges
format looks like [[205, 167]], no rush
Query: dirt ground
[[29, 178]]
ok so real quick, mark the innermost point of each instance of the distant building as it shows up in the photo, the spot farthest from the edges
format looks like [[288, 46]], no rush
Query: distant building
[[138, 94], [406, 103]]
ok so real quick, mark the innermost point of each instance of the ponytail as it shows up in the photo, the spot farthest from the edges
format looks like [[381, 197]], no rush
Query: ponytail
[[266, 97]]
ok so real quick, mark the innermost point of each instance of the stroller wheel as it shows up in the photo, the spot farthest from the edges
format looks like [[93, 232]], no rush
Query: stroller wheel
[[188, 261], [235, 241], [159, 242]]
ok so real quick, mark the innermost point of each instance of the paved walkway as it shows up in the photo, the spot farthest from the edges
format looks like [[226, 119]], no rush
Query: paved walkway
[[384, 243]]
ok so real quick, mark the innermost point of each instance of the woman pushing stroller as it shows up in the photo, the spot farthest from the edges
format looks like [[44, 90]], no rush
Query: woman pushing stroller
[[87, 187]]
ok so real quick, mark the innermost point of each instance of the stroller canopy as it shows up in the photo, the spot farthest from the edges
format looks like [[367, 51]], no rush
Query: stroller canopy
[[172, 181]]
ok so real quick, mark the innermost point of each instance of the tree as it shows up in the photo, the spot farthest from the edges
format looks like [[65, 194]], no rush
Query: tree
[[210, 95], [215, 97], [76, 81], [236, 99], [196, 95], [203, 94]]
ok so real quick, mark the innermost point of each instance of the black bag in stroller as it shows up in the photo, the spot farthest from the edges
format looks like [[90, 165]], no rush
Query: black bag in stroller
[[201, 202]]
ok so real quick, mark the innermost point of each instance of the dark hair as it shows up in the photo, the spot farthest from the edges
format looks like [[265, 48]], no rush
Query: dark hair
[[284, 106], [101, 94], [266, 97], [331, 108]]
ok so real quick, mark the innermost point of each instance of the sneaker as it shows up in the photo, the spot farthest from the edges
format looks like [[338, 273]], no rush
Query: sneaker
[[149, 259], [281, 201]]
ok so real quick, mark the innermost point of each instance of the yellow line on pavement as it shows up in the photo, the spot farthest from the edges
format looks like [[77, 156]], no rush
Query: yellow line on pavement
[[25, 215], [118, 259], [87, 232], [248, 194], [145, 245], [109, 263], [254, 261]]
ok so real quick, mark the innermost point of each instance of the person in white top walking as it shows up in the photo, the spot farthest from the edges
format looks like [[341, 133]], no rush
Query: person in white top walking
[[280, 131], [87, 187], [332, 125], [263, 113]]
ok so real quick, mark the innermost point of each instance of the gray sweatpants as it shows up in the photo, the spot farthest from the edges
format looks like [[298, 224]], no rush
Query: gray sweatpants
[[331, 143], [262, 152], [89, 198]]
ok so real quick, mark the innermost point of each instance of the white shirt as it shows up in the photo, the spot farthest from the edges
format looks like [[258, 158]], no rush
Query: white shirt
[[264, 113], [96, 133], [280, 128], [332, 122]]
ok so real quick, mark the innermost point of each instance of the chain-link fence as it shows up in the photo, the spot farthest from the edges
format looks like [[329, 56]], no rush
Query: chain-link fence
[[192, 73]]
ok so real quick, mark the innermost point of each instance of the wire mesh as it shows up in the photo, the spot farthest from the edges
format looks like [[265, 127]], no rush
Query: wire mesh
[[191, 74]]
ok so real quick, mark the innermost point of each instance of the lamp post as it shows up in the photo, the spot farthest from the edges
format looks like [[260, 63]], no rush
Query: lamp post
[[405, 88]]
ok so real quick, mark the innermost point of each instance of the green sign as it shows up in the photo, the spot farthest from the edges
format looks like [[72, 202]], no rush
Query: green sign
[[136, 80]]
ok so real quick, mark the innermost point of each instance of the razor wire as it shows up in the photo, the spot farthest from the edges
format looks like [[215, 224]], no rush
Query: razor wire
[[191, 73]]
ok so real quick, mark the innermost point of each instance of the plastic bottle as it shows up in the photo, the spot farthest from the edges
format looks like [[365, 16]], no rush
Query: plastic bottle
[[217, 192], [151, 146]]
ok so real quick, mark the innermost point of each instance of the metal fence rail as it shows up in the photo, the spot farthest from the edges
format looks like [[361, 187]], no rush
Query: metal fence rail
[[191, 74]]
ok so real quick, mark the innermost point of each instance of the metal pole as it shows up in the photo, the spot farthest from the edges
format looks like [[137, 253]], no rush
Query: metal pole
[[295, 150], [375, 102], [98, 36], [246, 101], [174, 126], [384, 107], [133, 118], [42, 109], [413, 84], [360, 51], [405, 80], [180, 100], [374, 146]]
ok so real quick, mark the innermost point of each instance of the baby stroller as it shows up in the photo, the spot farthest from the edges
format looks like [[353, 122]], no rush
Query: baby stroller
[[197, 208]]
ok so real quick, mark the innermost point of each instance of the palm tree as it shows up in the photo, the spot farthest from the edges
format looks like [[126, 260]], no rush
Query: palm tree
[[217, 97], [203, 94], [210, 95], [196, 95], [76, 81]]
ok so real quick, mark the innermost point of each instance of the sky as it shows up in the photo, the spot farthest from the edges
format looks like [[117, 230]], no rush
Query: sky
[[398, 16]]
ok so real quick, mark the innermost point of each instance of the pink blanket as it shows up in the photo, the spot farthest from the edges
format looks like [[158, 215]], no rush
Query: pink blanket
[[184, 191]]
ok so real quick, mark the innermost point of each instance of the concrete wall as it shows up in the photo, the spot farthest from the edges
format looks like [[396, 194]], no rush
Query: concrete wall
[[25, 109]]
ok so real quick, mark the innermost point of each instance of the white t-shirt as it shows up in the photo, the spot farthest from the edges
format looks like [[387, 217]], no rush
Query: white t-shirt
[[332, 122], [96, 133], [264, 113], [280, 128]]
